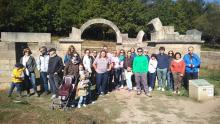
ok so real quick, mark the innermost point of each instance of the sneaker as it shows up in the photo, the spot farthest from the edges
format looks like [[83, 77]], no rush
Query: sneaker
[[93, 102], [159, 88], [72, 106], [121, 87], [79, 106], [84, 105], [178, 92], [138, 93], [148, 94], [102, 94], [53, 96], [150, 89], [36, 94], [163, 89]]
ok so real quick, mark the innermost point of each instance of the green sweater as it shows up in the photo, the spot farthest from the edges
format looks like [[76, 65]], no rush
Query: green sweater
[[140, 64]]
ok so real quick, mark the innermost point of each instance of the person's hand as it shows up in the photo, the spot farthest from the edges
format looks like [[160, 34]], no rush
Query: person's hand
[[47, 76], [108, 69], [55, 73], [181, 75]]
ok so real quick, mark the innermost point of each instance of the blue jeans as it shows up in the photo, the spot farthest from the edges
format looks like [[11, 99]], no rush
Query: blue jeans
[[117, 74], [170, 81], [43, 77], [13, 85], [82, 100], [152, 77], [101, 81], [31, 78], [54, 80], [162, 75]]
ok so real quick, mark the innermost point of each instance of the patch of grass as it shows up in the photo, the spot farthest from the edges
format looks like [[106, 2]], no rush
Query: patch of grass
[[36, 110], [207, 47], [213, 77]]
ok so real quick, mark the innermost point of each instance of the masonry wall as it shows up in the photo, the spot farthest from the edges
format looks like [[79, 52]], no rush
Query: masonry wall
[[210, 60]]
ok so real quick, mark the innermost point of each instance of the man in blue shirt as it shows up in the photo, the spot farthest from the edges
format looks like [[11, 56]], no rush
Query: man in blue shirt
[[162, 66], [192, 62]]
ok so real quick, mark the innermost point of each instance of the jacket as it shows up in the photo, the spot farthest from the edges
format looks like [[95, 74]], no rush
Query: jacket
[[82, 88], [55, 65], [140, 64], [30, 65], [18, 75], [42, 63], [194, 60], [71, 69]]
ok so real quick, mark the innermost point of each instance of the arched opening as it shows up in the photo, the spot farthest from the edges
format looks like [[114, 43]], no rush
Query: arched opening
[[99, 32]]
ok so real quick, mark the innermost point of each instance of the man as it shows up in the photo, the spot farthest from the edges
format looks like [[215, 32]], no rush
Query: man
[[54, 70], [192, 62], [140, 69], [162, 66], [42, 66]]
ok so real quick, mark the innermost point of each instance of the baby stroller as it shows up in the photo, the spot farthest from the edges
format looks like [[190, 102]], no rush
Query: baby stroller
[[65, 93]]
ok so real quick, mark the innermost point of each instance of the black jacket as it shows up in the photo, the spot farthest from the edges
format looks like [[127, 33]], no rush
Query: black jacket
[[55, 65], [30, 65]]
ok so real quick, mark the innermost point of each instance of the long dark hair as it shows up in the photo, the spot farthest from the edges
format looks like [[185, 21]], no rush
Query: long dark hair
[[101, 53]]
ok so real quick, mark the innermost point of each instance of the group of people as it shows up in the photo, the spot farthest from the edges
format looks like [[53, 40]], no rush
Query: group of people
[[98, 73]]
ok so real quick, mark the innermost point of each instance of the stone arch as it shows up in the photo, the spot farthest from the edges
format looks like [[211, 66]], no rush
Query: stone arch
[[103, 21]]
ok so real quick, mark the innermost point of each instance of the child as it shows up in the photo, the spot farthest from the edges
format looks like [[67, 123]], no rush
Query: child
[[17, 78], [152, 71], [128, 74], [82, 89]]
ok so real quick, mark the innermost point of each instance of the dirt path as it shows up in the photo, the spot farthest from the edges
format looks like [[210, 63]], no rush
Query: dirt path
[[164, 109]]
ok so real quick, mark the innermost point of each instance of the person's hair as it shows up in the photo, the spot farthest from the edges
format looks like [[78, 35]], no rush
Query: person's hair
[[140, 49], [191, 47], [104, 46], [27, 50], [133, 49], [43, 47], [177, 54], [101, 53], [154, 55], [86, 50], [122, 51], [81, 64], [170, 52], [162, 48], [127, 53], [69, 50]]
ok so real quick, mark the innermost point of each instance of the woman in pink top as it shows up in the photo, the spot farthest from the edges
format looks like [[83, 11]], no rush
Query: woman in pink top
[[177, 68]]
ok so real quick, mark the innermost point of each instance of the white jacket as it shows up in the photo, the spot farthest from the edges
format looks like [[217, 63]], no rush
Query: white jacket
[[42, 63], [87, 63], [152, 66]]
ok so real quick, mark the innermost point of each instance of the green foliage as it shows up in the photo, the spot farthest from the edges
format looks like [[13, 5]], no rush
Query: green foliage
[[131, 16]]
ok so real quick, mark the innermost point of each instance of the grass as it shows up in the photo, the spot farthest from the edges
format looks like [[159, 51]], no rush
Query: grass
[[207, 47], [37, 110], [213, 77]]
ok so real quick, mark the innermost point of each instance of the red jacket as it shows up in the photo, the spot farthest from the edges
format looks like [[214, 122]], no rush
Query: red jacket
[[177, 66]]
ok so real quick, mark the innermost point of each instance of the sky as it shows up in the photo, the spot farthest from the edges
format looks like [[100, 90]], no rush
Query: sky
[[208, 1]]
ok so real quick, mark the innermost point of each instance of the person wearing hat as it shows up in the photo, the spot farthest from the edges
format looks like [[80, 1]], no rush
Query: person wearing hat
[[55, 67], [17, 78], [42, 66]]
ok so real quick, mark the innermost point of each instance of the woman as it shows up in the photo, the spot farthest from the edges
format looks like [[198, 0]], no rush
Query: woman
[[29, 63], [69, 54], [169, 73], [128, 70], [102, 66], [116, 68], [133, 54], [177, 68], [121, 66], [152, 71]]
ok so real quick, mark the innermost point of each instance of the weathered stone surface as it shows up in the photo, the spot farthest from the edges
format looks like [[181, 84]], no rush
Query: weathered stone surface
[[25, 37]]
